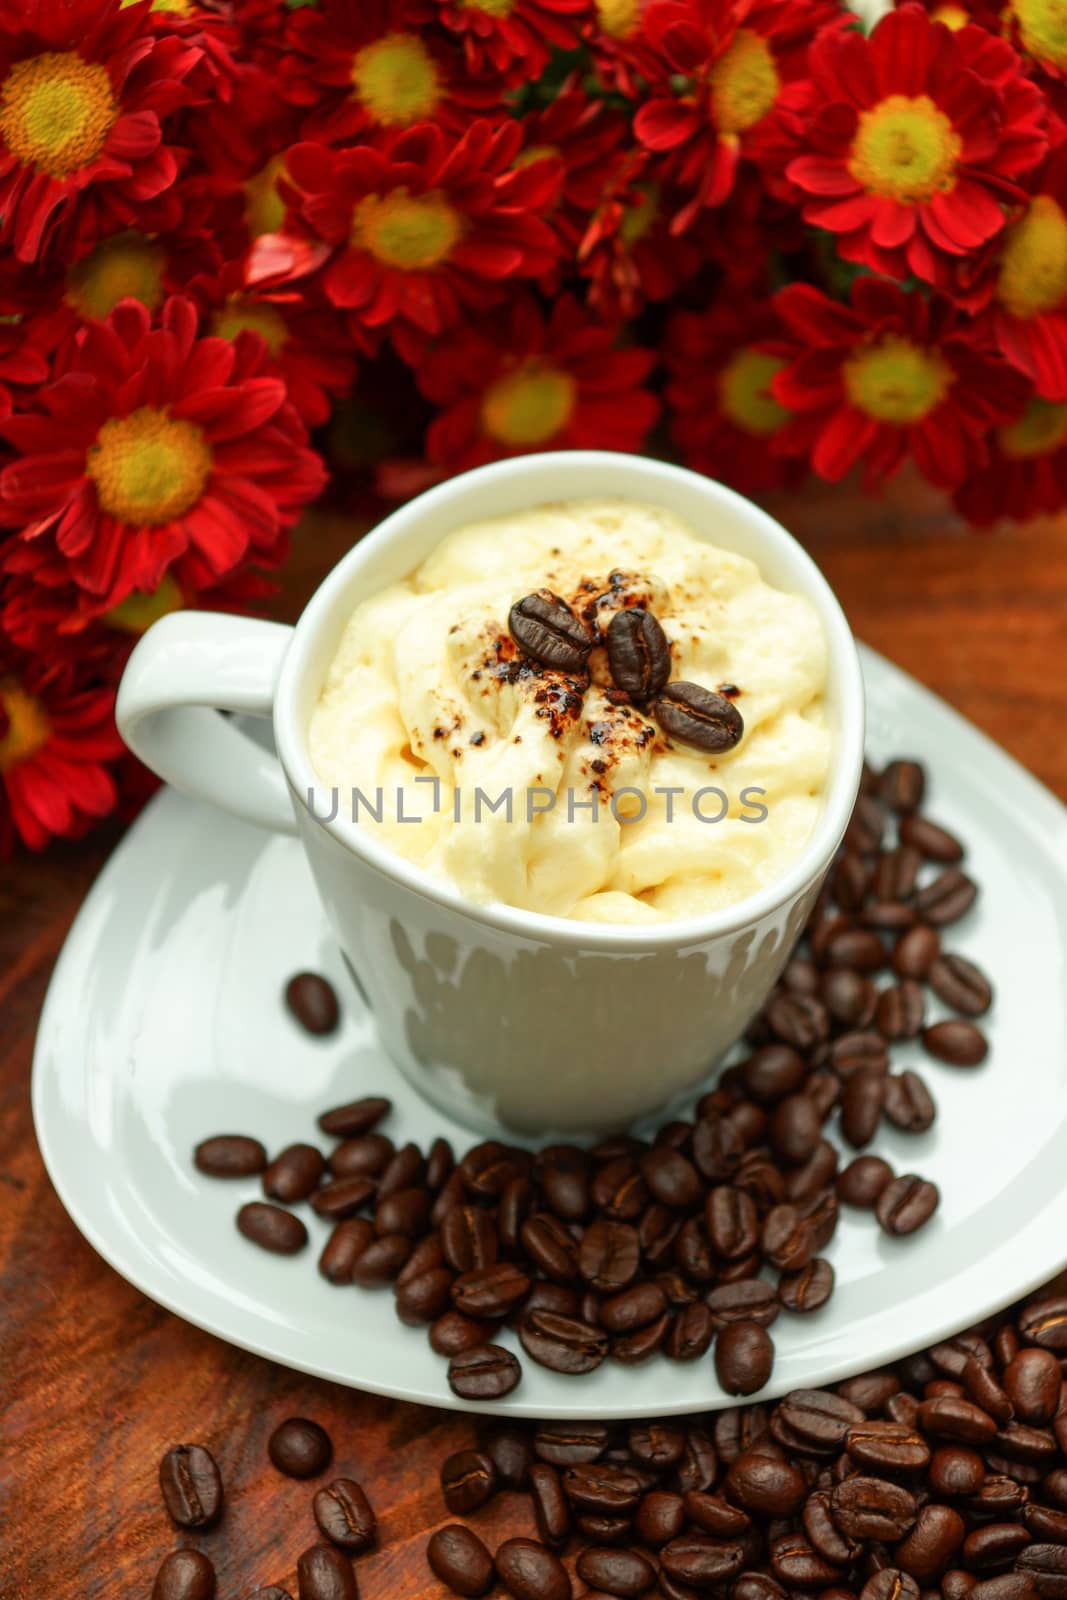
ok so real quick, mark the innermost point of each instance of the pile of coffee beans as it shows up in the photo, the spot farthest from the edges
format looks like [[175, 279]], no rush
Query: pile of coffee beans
[[546, 630], [711, 1229], [941, 1478], [191, 1485]]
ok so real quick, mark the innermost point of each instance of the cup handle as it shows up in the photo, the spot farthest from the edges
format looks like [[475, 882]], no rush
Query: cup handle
[[184, 671]]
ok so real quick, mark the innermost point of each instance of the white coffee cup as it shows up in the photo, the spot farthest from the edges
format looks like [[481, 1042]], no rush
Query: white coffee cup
[[500, 1017]]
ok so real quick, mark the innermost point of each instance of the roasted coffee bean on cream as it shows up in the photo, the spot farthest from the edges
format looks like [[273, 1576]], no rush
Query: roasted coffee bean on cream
[[546, 761]]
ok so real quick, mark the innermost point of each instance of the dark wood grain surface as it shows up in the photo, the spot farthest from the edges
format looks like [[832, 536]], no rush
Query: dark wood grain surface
[[95, 1381]]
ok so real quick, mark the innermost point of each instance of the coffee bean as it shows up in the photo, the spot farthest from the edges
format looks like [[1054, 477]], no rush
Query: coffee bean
[[887, 1448], [857, 948], [908, 1102], [344, 1515], [931, 840], [809, 1289], [901, 1009], [381, 1261], [299, 1448], [550, 1247], [956, 1472], [814, 1421], [565, 1179], [890, 1583], [272, 1228], [609, 1255], [294, 1173], [947, 899], [1006, 1586], [788, 1240], [551, 1511], [765, 1486], [323, 1573], [800, 1021], [544, 627], [1034, 1383], [603, 1487], [619, 1572], [896, 873], [571, 1444], [529, 1571], [638, 653], [468, 1480], [961, 985], [1044, 1322], [488, 1372], [747, 1300], [660, 1517], [915, 952], [859, 1051], [902, 785], [365, 1156], [698, 716], [1046, 1524], [191, 1486], [490, 1291], [342, 1198], [185, 1575], [690, 1333], [795, 1129], [819, 1171], [460, 1560], [863, 1180], [961, 1044], [509, 1451], [355, 1118], [872, 1508], [423, 1298], [633, 1308], [343, 1249], [671, 1177], [861, 1106], [952, 1417], [564, 1344], [796, 1563], [744, 1357], [312, 1000], [700, 1562], [230, 1155], [906, 1203], [849, 996], [995, 1545], [773, 1072]]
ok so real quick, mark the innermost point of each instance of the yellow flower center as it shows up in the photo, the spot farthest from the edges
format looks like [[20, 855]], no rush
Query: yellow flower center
[[897, 381], [56, 111], [529, 406], [618, 17], [744, 83], [126, 266], [1040, 430], [906, 149], [492, 8], [148, 467], [137, 612], [745, 392], [1043, 29], [412, 232], [27, 727], [638, 218], [954, 17], [264, 206], [397, 80], [1033, 263], [251, 316]]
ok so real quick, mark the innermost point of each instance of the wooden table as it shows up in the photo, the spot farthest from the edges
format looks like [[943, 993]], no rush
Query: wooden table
[[95, 1381]]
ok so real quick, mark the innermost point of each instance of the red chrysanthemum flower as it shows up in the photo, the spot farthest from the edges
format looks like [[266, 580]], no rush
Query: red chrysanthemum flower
[[723, 412], [628, 253], [578, 139], [45, 614], [154, 448], [213, 29], [726, 71], [304, 335], [1025, 283], [521, 382], [918, 140], [1026, 474], [57, 743], [513, 40], [890, 374], [376, 65], [614, 38], [413, 232], [83, 88]]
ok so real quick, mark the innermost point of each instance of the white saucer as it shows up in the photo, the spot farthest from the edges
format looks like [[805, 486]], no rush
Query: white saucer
[[164, 1023]]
